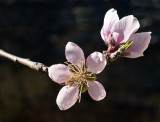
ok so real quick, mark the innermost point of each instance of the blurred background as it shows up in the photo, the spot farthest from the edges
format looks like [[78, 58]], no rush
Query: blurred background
[[40, 29]]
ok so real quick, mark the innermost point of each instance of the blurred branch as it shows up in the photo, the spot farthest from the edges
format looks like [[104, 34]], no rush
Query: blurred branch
[[33, 65]]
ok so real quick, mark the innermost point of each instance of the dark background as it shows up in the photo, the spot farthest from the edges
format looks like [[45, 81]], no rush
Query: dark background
[[40, 29]]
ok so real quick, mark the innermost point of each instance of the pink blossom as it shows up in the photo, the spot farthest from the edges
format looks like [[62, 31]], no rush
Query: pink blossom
[[116, 32], [78, 76]]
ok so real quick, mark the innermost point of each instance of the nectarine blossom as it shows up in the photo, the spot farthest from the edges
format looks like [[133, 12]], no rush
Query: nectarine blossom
[[78, 75], [117, 32]]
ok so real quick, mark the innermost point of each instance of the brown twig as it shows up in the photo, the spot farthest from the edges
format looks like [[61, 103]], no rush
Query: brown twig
[[110, 57], [33, 65]]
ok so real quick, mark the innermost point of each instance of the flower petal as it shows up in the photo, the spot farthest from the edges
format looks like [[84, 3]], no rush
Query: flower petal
[[134, 55], [140, 44], [116, 37], [125, 27], [74, 54], [110, 18], [59, 73], [96, 90], [96, 62], [67, 97]]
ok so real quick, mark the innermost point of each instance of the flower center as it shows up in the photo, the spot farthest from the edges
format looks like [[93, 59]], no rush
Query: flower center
[[111, 43], [80, 77], [79, 74]]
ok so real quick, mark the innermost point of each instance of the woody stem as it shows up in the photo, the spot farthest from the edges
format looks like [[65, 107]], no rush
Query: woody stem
[[31, 64], [112, 56]]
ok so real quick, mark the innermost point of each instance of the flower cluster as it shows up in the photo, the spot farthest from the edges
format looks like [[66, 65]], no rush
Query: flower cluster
[[79, 74]]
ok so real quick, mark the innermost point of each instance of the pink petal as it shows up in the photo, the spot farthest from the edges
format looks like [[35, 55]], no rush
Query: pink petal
[[110, 18], [125, 27], [96, 90], [74, 54], [115, 36], [96, 62], [134, 55], [140, 44], [59, 73], [67, 97]]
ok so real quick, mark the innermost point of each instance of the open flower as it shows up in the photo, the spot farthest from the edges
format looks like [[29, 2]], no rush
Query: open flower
[[78, 75], [117, 32]]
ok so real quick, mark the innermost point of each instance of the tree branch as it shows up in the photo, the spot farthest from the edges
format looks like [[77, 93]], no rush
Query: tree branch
[[110, 57], [33, 65]]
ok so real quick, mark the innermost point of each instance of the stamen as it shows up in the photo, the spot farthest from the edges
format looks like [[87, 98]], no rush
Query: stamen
[[80, 92], [62, 84], [79, 77], [91, 77], [67, 62], [86, 83], [73, 68]]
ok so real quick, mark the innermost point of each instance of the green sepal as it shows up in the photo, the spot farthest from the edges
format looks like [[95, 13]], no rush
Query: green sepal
[[126, 46], [84, 88], [111, 60], [90, 76]]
